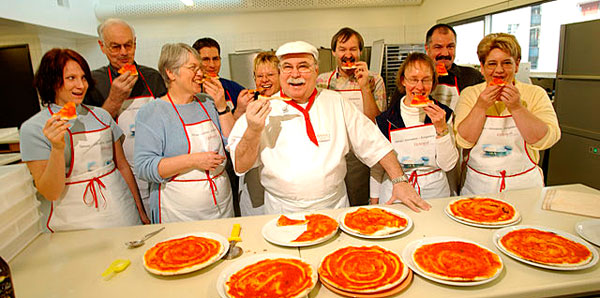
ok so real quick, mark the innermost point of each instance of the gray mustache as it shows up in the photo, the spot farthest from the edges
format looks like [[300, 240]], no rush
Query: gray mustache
[[296, 81]]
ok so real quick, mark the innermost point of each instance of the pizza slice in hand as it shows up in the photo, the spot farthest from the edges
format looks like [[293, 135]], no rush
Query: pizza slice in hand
[[211, 75], [440, 68], [419, 101], [346, 65], [129, 68], [259, 90], [497, 82], [68, 111]]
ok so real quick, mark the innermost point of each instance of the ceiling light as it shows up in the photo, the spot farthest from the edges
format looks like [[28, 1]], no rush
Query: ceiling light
[[187, 2]]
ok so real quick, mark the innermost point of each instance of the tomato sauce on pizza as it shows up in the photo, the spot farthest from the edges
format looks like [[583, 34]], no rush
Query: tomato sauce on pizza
[[545, 247], [286, 221], [279, 277], [457, 261], [440, 68], [367, 221], [68, 111], [182, 253], [483, 210], [318, 226], [419, 101], [362, 269], [129, 67]]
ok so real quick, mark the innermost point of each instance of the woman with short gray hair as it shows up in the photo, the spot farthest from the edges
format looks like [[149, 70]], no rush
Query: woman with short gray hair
[[180, 143]]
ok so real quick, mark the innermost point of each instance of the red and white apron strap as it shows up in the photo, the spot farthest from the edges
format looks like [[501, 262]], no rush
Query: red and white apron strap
[[309, 128], [414, 180]]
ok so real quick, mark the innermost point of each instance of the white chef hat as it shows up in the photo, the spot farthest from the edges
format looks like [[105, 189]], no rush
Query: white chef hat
[[297, 47]]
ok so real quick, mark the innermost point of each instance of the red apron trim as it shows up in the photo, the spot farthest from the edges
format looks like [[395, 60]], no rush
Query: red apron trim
[[92, 190], [330, 77], [403, 128], [500, 176], [49, 217], [228, 96], [309, 128], [415, 181], [503, 180]]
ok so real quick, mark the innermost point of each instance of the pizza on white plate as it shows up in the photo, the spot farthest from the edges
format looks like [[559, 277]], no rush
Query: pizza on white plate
[[365, 269], [545, 247], [374, 221], [182, 255], [277, 277], [457, 261], [318, 226], [484, 211]]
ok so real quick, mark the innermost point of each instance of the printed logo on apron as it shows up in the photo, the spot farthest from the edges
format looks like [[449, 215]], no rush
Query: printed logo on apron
[[95, 194], [499, 160], [416, 149], [197, 194]]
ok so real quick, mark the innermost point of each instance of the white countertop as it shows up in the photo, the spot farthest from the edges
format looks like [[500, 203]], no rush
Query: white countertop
[[69, 264]]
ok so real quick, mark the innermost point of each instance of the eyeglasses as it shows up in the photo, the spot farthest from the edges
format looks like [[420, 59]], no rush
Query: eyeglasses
[[115, 47], [209, 59], [302, 68], [192, 68], [270, 75], [491, 65], [425, 82]]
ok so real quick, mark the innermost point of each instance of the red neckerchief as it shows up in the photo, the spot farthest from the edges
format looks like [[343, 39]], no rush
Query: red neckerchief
[[309, 128]]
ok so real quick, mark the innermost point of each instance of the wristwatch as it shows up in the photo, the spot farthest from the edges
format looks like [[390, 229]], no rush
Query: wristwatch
[[227, 110], [443, 133], [399, 179]]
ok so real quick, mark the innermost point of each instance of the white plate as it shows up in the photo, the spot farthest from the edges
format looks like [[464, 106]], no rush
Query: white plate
[[411, 247], [210, 235], [479, 225], [344, 228], [239, 264], [500, 233], [589, 230], [285, 235], [402, 278]]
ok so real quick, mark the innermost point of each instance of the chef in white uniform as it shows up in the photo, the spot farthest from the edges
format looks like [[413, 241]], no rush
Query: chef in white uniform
[[77, 165], [299, 144], [504, 125], [420, 135]]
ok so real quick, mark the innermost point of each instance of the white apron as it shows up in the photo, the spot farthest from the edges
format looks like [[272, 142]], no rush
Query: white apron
[[197, 194], [126, 121], [447, 94], [499, 160], [303, 140], [95, 194], [416, 149], [352, 95]]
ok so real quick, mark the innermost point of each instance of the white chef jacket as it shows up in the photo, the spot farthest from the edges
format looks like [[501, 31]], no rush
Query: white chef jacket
[[294, 168]]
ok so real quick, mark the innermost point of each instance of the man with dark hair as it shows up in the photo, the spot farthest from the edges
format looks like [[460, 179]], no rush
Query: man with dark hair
[[122, 94], [362, 88], [440, 45], [236, 95], [210, 60]]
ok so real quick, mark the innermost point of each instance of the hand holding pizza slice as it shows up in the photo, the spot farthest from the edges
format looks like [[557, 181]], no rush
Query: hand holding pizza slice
[[347, 65], [497, 82]]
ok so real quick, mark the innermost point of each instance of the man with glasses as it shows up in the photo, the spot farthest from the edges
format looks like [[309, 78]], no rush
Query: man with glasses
[[210, 60], [123, 94], [299, 141], [362, 88]]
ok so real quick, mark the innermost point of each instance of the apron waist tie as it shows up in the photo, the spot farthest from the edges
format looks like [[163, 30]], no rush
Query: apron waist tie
[[90, 187], [502, 180], [211, 183], [414, 180]]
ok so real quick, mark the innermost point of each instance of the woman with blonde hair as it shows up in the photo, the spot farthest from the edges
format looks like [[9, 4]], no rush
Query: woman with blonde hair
[[266, 78], [504, 122]]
